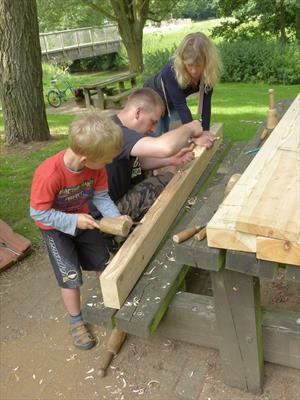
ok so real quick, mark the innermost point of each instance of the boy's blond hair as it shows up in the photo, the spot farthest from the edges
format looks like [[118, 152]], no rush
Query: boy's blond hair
[[95, 136], [197, 48]]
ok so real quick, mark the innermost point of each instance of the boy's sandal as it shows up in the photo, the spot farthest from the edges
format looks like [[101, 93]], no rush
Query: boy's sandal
[[81, 336]]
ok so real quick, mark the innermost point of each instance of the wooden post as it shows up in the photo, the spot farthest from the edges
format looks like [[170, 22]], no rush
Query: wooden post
[[238, 314]]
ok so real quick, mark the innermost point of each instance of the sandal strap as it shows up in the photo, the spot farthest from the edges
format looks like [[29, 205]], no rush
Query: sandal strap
[[81, 336]]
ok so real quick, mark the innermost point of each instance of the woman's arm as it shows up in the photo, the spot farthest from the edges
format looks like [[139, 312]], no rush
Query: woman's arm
[[175, 95]]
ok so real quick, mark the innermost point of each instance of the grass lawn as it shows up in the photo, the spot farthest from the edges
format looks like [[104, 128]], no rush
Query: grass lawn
[[240, 107]]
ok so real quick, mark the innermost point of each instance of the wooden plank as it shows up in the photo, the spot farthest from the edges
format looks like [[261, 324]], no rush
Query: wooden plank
[[147, 303], [124, 270], [191, 318], [281, 337], [238, 314], [248, 264], [222, 230], [292, 273], [282, 251], [272, 206], [94, 311]]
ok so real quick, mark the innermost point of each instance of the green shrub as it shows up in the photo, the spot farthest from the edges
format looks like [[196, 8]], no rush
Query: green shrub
[[153, 62], [112, 62], [260, 61]]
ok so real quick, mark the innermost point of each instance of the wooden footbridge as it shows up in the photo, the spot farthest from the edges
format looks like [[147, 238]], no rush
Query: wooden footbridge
[[73, 44]]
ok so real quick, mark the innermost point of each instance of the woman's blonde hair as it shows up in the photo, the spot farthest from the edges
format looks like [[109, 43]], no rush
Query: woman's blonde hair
[[95, 136], [197, 48]]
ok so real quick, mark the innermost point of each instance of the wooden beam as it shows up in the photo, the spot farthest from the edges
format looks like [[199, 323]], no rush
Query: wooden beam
[[120, 276], [265, 202]]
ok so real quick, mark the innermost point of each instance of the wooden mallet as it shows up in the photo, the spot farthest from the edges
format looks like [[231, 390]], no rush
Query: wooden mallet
[[113, 346], [272, 116], [115, 226]]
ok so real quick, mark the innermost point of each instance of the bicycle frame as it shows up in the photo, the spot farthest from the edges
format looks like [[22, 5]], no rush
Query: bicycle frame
[[62, 92]]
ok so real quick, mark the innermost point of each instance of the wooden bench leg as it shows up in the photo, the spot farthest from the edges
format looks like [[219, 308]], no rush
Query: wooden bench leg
[[238, 314], [87, 98], [100, 99]]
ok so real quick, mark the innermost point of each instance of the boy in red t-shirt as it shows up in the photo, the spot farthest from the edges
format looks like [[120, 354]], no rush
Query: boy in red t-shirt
[[62, 187]]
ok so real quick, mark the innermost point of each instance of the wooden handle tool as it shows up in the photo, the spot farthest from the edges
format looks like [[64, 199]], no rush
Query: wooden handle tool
[[114, 344], [185, 234], [201, 234], [115, 226], [272, 117]]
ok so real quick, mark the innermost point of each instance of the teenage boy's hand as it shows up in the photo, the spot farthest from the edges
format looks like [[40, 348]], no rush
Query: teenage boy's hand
[[183, 157], [205, 140]]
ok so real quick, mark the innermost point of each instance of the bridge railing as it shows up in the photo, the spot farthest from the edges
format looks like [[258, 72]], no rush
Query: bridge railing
[[72, 38]]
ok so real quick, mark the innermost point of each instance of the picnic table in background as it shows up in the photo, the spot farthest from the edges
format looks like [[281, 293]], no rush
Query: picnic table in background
[[110, 91]]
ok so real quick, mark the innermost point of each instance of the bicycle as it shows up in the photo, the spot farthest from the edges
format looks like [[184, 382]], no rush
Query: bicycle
[[55, 96]]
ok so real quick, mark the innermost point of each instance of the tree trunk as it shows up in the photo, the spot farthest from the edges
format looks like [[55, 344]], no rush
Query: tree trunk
[[131, 18], [21, 86]]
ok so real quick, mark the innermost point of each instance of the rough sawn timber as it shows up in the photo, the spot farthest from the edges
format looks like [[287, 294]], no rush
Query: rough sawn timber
[[122, 273], [261, 214]]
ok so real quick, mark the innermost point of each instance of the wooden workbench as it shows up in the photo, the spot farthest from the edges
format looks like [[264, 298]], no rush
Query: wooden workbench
[[112, 89], [230, 317]]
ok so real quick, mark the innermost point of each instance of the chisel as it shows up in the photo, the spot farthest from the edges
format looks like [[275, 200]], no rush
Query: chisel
[[185, 234]]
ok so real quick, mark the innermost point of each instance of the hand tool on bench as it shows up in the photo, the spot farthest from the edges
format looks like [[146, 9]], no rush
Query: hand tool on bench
[[272, 116], [116, 226], [199, 232], [186, 234], [113, 346]]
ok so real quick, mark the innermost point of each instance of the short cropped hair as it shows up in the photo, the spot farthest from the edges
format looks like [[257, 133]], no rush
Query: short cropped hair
[[147, 98], [95, 136], [197, 48]]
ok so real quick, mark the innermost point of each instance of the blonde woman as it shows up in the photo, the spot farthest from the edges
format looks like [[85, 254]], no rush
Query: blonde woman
[[195, 67]]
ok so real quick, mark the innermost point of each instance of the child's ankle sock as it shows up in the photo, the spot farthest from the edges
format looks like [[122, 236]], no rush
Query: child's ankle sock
[[74, 319]]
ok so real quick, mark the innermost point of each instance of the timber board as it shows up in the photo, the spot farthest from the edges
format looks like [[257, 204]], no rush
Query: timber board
[[122, 273], [149, 299], [223, 231]]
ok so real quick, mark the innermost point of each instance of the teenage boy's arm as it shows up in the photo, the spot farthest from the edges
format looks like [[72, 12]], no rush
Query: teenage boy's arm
[[184, 156], [168, 144]]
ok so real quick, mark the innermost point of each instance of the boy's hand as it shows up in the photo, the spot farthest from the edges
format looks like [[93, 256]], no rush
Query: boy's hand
[[86, 221], [127, 217]]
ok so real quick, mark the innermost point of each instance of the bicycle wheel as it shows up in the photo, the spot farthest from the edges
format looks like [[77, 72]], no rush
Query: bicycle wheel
[[54, 98]]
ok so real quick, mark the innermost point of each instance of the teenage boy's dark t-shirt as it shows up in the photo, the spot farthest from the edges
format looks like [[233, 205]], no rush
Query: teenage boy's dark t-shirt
[[125, 170]]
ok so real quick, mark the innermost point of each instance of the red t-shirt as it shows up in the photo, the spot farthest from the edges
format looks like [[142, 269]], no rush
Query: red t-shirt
[[55, 186]]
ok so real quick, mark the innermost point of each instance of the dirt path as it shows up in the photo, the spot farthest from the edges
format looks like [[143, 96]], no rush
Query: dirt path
[[38, 360]]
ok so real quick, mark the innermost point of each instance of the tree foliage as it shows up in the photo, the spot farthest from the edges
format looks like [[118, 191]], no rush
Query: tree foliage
[[260, 19], [195, 9], [129, 15]]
